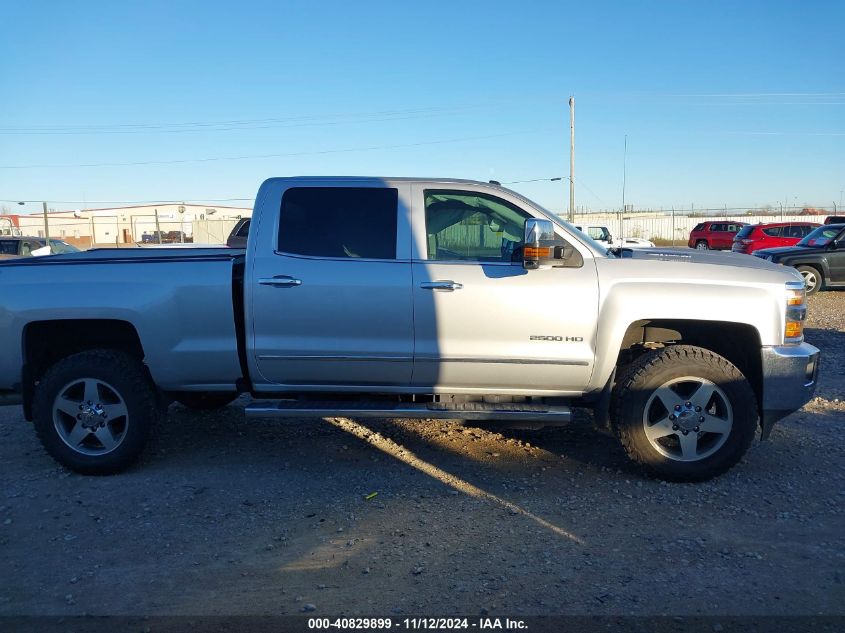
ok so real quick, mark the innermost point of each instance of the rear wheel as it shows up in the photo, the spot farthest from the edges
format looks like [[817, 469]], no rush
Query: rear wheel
[[206, 401], [94, 411], [813, 279], [702, 245], [684, 413]]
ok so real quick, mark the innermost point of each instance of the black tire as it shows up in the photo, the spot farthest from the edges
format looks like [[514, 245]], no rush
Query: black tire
[[206, 400], [813, 279], [688, 450], [702, 245], [122, 383]]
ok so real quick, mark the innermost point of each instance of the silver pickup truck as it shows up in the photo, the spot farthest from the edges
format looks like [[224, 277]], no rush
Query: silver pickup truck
[[399, 298]]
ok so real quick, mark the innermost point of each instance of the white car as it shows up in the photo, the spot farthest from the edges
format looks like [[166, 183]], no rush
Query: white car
[[602, 235]]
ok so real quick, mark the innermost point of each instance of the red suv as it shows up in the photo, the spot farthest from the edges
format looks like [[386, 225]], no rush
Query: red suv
[[714, 235], [753, 237]]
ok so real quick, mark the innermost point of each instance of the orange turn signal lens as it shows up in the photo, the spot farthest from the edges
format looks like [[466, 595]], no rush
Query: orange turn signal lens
[[795, 297], [793, 329], [537, 252]]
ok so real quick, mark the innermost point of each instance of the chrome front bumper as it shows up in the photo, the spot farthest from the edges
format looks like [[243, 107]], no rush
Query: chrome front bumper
[[789, 380]]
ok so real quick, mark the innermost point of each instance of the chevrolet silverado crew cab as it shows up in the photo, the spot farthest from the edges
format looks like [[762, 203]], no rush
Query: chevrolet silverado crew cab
[[399, 298]]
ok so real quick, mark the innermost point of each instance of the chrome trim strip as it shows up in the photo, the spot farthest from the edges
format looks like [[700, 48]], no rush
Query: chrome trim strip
[[433, 359], [350, 358], [507, 361]]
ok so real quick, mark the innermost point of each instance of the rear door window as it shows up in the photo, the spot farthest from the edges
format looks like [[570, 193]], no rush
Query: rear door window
[[773, 231], [339, 222], [793, 230]]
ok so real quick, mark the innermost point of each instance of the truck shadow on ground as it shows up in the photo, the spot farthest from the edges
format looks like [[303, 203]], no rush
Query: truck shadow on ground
[[491, 446]]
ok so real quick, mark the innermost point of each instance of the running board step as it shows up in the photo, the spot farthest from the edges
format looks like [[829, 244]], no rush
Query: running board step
[[449, 411]]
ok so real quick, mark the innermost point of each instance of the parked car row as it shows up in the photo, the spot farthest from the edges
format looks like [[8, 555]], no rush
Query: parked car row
[[12, 247], [819, 257], [817, 251], [753, 237], [166, 237]]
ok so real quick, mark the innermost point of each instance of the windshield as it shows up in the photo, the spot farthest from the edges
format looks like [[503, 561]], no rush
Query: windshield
[[574, 230], [58, 247], [596, 247], [821, 236]]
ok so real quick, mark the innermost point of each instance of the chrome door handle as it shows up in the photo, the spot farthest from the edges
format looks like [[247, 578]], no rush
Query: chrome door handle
[[447, 284], [280, 281]]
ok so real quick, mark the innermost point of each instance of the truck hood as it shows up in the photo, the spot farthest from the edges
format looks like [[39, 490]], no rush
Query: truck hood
[[692, 265], [694, 256]]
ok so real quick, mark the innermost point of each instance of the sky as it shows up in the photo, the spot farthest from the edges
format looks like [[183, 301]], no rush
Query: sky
[[733, 104]]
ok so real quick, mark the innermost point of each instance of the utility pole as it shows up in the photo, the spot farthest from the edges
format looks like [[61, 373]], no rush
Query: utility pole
[[624, 174], [158, 228], [46, 229], [572, 159], [673, 226]]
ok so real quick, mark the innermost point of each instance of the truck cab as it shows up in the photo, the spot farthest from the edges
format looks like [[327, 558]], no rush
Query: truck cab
[[382, 281]]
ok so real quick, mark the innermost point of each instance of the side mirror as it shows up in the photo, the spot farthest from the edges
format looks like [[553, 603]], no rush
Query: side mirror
[[539, 244]]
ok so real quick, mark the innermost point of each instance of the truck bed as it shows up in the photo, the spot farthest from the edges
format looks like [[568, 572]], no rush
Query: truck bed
[[184, 304]]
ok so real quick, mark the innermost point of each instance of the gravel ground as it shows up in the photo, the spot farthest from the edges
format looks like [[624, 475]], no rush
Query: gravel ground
[[229, 517]]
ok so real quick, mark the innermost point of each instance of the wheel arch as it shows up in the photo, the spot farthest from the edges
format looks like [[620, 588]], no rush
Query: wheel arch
[[47, 342], [820, 265], [739, 343]]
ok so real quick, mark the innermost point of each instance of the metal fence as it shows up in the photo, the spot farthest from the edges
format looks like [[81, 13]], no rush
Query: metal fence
[[106, 231], [677, 228]]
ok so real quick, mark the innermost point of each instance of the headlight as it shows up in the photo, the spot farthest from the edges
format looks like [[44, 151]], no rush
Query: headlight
[[796, 312]]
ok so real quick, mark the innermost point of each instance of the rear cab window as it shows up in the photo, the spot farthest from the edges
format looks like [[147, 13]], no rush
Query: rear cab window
[[244, 230], [339, 222]]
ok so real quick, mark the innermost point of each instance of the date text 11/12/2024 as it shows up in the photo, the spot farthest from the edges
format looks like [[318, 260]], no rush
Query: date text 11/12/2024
[[417, 623]]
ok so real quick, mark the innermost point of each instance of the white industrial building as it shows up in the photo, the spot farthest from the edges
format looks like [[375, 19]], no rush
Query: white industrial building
[[126, 225]]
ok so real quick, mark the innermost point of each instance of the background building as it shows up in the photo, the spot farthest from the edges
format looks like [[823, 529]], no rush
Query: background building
[[117, 226]]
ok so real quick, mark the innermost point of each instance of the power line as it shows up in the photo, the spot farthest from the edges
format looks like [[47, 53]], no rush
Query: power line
[[213, 127], [516, 182], [147, 126], [259, 156], [195, 201]]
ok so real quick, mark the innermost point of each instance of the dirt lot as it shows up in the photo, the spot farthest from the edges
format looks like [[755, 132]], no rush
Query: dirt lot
[[229, 517]]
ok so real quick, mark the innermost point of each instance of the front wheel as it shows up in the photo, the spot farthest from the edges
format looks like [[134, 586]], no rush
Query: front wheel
[[684, 413], [813, 279], [94, 411]]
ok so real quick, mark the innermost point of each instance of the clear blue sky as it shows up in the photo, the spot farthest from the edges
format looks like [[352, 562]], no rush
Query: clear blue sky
[[736, 103]]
